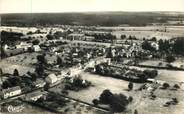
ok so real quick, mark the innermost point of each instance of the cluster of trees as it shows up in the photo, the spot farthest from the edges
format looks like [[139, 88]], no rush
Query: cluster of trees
[[125, 73], [35, 42], [175, 46], [77, 84], [164, 45], [14, 80], [150, 73], [178, 46], [104, 37], [117, 102], [123, 36], [41, 65], [146, 45], [58, 34], [10, 37], [170, 59], [36, 32]]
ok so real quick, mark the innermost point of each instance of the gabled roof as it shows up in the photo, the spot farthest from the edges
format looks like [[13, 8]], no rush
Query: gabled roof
[[11, 89]]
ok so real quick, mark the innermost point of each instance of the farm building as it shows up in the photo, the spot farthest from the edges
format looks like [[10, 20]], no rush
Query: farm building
[[51, 78], [34, 96], [39, 83], [24, 46], [37, 48], [11, 92]]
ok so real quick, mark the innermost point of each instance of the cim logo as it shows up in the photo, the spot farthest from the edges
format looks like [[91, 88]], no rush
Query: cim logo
[[15, 108]]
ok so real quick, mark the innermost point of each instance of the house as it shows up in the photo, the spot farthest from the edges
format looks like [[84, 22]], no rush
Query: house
[[89, 38], [39, 83], [76, 36], [51, 78], [155, 45], [24, 45], [11, 92], [6, 47], [36, 48], [34, 96]]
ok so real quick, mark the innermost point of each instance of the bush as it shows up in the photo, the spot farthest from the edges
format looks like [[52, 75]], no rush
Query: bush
[[130, 86], [130, 99], [135, 111], [35, 42], [15, 72], [117, 102], [95, 101], [165, 85], [105, 96], [150, 73], [170, 59], [176, 86]]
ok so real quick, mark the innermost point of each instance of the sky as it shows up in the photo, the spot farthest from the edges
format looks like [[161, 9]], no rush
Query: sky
[[41, 6]]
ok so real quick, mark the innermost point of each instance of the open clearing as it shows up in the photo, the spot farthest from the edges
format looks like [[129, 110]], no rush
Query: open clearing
[[100, 83]]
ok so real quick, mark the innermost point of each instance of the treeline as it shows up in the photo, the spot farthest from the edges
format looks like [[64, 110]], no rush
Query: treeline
[[173, 46], [100, 18], [104, 37], [10, 37]]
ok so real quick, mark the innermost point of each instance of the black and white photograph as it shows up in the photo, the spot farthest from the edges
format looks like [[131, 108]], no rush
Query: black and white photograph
[[91, 56]]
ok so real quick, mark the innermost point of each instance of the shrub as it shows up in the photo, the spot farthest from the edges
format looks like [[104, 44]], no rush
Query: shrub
[[95, 101], [105, 96], [117, 102], [165, 85], [130, 99], [130, 86], [150, 73], [170, 59], [135, 111], [15, 72], [176, 86]]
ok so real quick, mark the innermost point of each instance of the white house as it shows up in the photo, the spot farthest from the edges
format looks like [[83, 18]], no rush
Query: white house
[[11, 92], [24, 45], [51, 78], [36, 48], [34, 96], [39, 83], [6, 47], [155, 45]]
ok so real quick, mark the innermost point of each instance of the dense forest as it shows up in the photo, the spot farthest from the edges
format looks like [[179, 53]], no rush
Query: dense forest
[[91, 18]]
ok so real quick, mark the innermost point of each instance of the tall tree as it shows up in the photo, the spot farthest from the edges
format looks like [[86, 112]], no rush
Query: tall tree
[[130, 86], [16, 72]]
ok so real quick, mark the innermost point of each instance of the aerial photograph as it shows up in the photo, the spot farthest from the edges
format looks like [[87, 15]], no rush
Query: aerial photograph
[[91, 56]]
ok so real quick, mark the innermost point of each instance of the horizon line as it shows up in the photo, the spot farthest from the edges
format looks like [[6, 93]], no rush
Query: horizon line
[[90, 12]]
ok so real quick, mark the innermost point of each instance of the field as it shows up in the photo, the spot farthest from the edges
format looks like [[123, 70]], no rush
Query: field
[[100, 83], [147, 32], [9, 68], [167, 75], [148, 106], [141, 102]]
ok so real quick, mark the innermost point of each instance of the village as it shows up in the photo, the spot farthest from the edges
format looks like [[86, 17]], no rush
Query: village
[[88, 69]]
